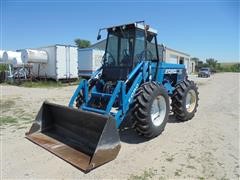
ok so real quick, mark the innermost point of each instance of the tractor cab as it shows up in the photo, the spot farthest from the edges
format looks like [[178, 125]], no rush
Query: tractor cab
[[126, 46]]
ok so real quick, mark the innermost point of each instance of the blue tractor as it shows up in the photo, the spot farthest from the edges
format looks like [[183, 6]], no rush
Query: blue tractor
[[132, 81]]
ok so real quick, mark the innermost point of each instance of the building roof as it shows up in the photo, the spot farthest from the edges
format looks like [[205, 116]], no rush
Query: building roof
[[99, 45], [180, 52]]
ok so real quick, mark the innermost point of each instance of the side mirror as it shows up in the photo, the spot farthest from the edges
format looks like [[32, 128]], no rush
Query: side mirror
[[99, 37]]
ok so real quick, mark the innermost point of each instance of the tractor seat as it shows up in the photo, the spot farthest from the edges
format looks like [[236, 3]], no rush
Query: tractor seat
[[115, 73]]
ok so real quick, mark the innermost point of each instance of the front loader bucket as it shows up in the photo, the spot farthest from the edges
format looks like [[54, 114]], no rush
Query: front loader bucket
[[84, 139]]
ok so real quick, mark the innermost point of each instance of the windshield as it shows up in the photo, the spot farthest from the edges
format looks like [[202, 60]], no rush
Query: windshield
[[119, 51], [126, 48]]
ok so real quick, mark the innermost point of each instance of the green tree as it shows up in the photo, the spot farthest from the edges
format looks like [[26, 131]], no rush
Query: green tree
[[235, 67], [228, 67], [81, 43], [195, 59], [200, 63], [212, 63], [219, 67]]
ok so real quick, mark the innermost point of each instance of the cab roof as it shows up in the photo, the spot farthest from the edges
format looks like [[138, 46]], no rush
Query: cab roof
[[134, 25]]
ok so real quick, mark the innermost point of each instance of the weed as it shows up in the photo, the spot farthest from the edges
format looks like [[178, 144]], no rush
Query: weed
[[220, 164], [177, 172], [170, 159], [191, 156], [190, 167], [147, 174]]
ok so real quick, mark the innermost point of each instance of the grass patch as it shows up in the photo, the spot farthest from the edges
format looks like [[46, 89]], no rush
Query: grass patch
[[147, 174], [6, 105], [3, 67], [41, 84], [7, 120], [229, 67], [48, 84]]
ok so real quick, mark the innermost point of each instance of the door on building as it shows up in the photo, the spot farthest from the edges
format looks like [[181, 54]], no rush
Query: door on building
[[181, 60]]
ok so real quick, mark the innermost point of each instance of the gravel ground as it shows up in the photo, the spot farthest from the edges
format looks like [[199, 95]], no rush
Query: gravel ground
[[206, 147]]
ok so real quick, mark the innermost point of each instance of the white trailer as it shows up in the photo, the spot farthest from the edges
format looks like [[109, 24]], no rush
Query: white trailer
[[61, 62], [89, 60], [1, 56]]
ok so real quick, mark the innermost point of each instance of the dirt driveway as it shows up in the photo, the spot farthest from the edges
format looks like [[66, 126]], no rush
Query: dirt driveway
[[205, 147]]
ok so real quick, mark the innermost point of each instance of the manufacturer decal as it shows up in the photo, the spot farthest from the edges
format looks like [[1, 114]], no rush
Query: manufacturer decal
[[173, 71]]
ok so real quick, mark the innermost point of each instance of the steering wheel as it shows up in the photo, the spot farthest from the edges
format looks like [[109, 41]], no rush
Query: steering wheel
[[108, 59], [148, 53], [125, 61]]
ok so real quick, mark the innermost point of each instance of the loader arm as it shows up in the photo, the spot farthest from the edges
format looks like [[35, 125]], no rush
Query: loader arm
[[139, 74]]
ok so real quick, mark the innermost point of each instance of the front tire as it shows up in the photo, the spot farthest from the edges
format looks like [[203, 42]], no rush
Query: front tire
[[185, 100], [150, 109]]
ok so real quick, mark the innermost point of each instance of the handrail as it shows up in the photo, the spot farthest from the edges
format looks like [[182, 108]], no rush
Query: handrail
[[79, 88], [96, 73], [131, 75]]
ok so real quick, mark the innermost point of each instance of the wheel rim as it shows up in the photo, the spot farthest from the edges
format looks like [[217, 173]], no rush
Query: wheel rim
[[158, 111], [191, 100]]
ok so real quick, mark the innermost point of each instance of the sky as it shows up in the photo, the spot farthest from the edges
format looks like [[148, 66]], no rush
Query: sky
[[203, 29]]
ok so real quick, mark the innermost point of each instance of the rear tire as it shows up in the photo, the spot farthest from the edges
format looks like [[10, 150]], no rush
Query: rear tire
[[185, 100], [150, 109]]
